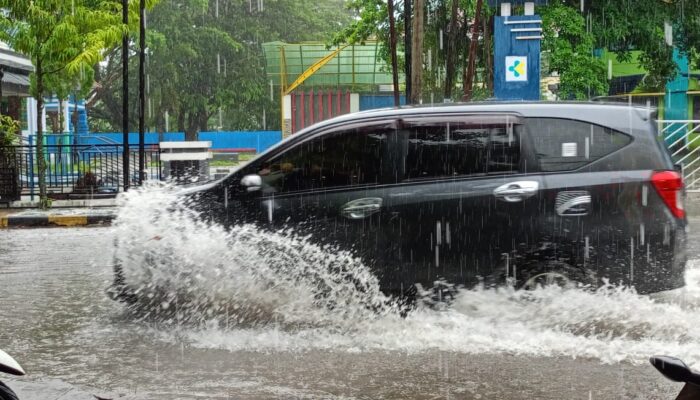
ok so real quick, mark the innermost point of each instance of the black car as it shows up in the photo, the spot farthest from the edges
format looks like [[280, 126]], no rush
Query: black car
[[523, 193]]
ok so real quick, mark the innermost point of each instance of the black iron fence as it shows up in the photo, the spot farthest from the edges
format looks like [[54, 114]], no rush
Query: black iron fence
[[73, 171]]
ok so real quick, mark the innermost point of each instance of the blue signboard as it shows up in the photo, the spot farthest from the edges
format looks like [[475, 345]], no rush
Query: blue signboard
[[517, 57]]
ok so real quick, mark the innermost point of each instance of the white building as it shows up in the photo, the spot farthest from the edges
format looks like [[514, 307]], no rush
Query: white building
[[15, 100]]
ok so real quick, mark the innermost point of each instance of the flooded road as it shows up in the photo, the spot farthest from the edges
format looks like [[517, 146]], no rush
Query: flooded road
[[552, 343]]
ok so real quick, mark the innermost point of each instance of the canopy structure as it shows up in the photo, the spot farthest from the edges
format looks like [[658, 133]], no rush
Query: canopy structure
[[358, 68], [15, 70]]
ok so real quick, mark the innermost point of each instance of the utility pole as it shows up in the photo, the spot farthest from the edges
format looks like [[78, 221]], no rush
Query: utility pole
[[125, 96], [407, 46], [469, 76], [142, 82], [392, 44]]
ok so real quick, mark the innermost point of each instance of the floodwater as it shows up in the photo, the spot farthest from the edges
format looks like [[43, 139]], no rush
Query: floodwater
[[239, 323]]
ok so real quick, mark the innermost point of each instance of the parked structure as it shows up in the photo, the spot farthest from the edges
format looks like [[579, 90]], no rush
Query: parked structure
[[14, 75], [316, 84]]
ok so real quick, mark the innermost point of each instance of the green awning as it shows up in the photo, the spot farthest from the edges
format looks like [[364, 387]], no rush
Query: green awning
[[357, 67]]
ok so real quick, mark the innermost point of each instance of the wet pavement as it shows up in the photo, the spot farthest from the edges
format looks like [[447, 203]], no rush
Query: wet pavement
[[75, 342]]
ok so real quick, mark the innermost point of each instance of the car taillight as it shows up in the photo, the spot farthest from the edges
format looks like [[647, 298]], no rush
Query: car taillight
[[669, 185]]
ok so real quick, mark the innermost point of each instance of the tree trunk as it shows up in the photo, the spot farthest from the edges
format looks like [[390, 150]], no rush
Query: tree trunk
[[392, 49], [180, 120], [488, 55], [41, 162], [471, 66], [407, 47], [417, 52], [192, 129], [451, 51], [202, 120]]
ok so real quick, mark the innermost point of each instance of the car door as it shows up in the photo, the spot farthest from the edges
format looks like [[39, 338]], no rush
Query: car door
[[328, 186], [466, 200], [593, 212]]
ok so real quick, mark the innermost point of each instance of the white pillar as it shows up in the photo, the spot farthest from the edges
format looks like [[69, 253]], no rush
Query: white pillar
[[354, 102], [505, 9], [31, 117], [66, 116], [529, 8], [287, 115]]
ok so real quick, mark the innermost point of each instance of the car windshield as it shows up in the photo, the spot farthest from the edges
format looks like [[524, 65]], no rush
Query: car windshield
[[349, 199]]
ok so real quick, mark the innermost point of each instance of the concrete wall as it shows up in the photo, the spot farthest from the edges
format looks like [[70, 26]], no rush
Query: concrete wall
[[692, 203], [258, 140]]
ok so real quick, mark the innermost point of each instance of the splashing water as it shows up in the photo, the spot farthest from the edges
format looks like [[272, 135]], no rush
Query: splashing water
[[188, 270], [247, 289]]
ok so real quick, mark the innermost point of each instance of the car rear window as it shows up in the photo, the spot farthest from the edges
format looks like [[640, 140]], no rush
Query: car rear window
[[564, 144]]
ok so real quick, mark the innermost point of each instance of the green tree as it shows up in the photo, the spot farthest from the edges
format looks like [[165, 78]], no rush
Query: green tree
[[444, 49], [58, 36], [570, 48], [203, 58], [623, 27]]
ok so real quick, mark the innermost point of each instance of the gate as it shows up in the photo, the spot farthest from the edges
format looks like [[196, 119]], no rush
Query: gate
[[9, 176], [72, 171], [682, 138]]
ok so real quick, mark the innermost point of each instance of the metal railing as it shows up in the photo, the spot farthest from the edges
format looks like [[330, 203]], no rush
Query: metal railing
[[73, 171], [682, 137]]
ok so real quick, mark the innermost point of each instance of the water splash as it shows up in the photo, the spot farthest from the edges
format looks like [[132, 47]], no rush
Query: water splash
[[183, 269], [252, 290]]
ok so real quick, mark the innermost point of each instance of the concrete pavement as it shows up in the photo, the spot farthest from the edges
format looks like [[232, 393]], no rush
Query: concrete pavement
[[15, 218]]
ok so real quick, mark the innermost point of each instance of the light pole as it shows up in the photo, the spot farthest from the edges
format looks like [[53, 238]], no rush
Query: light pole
[[142, 80], [125, 95]]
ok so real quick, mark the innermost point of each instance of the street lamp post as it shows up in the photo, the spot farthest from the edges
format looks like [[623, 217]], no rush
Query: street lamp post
[[125, 96], [142, 80]]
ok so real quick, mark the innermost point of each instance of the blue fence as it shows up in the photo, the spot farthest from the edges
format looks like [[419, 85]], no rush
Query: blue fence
[[372, 101], [258, 140]]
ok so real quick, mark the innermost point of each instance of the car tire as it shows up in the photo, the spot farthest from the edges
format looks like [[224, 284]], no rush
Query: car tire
[[531, 275], [6, 393]]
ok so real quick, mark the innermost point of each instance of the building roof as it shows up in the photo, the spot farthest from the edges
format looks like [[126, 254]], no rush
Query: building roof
[[358, 66], [16, 69]]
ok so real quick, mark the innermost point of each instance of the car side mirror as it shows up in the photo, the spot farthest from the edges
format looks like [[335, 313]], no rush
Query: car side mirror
[[252, 182]]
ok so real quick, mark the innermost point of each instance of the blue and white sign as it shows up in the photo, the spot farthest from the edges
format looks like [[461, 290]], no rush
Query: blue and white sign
[[517, 40], [516, 68]]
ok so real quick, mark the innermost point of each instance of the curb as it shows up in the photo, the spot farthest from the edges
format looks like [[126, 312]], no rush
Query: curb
[[20, 221]]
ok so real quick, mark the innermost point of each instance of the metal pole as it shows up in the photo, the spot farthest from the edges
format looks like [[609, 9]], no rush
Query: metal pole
[[125, 96], [2, 75], [407, 46], [142, 92]]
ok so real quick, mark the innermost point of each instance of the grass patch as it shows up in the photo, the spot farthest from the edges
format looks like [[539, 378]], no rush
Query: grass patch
[[242, 158], [222, 163]]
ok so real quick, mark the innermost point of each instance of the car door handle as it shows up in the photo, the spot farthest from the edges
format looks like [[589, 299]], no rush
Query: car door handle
[[514, 192], [361, 208]]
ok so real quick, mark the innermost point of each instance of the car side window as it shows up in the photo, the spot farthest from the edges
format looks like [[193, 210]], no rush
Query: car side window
[[350, 157], [461, 149], [563, 144]]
